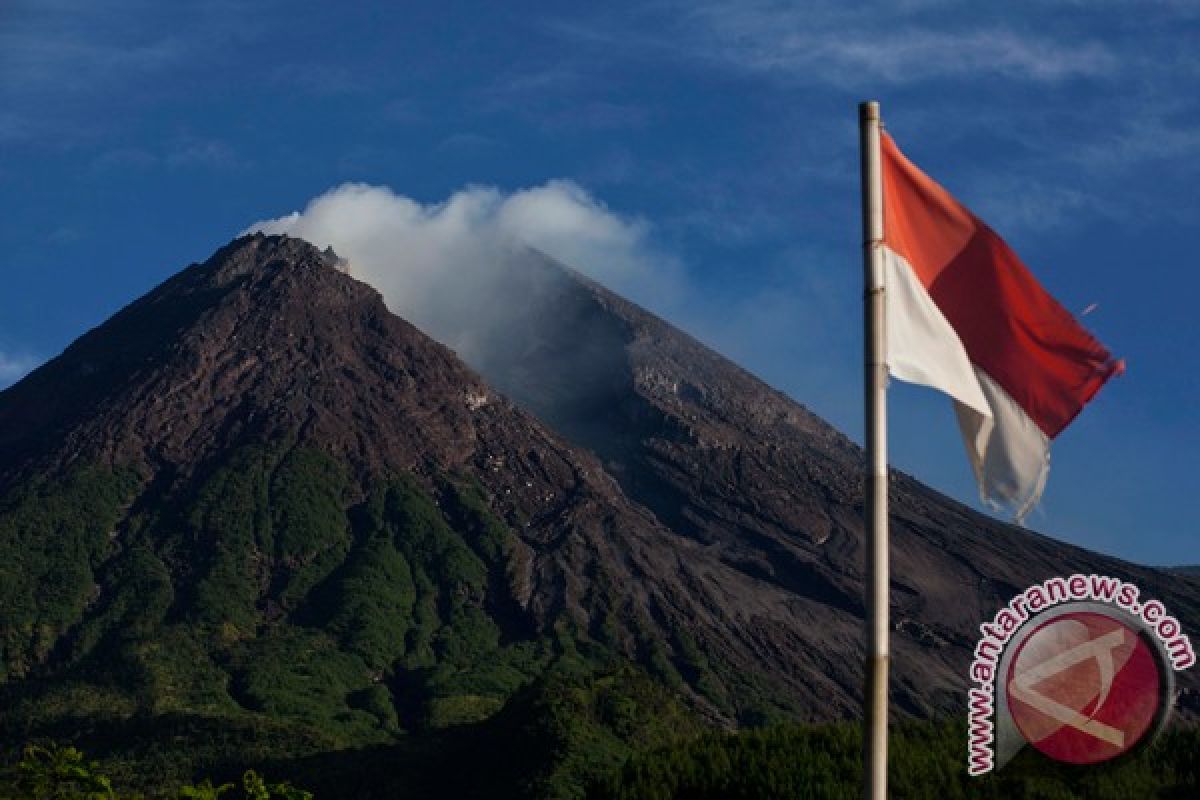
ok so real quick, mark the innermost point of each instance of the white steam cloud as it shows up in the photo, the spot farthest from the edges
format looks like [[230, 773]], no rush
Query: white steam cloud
[[431, 260], [446, 268]]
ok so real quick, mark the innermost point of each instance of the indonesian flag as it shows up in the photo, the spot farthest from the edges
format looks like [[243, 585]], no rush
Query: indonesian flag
[[965, 316]]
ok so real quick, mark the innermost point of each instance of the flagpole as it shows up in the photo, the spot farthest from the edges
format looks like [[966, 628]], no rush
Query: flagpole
[[875, 715]]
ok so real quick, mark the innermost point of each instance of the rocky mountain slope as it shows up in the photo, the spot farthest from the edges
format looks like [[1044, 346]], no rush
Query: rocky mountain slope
[[724, 460], [257, 496]]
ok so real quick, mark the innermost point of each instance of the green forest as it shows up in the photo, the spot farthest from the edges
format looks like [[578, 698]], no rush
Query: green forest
[[555, 756], [275, 629]]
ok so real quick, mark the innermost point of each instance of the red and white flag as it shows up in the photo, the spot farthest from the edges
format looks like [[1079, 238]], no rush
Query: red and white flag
[[965, 316]]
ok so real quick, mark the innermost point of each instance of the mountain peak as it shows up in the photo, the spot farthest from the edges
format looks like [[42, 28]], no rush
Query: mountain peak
[[267, 334], [259, 255]]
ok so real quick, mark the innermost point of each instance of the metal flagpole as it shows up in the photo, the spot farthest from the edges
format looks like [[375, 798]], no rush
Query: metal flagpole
[[875, 727]]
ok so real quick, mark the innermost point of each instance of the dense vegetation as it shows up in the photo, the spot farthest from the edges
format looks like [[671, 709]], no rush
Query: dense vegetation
[[562, 740], [52, 535], [271, 585], [926, 761], [62, 773], [554, 737], [271, 609], [358, 636]]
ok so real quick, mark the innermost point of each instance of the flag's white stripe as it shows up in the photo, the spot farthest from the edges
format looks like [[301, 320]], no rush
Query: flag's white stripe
[[1013, 466], [922, 347], [1008, 451]]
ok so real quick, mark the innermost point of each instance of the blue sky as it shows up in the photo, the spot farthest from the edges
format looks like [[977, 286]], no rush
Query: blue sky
[[715, 141]]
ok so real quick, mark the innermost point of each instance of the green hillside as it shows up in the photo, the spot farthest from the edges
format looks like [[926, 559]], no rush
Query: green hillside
[[273, 614]]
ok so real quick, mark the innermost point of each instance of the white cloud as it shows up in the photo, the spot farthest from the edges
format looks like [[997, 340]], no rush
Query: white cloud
[[461, 272], [906, 54], [433, 262], [72, 70], [1143, 137], [202, 153], [848, 45], [1021, 203], [448, 268]]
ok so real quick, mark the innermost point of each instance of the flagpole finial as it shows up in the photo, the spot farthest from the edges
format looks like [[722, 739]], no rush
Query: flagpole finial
[[868, 110]]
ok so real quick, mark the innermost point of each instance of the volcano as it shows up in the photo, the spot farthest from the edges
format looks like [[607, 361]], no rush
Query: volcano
[[258, 496]]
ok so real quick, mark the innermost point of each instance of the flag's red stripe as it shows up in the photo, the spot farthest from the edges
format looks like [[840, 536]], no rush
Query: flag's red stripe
[[1019, 334], [1010, 326]]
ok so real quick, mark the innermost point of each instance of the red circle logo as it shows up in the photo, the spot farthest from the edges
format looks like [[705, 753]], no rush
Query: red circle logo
[[1084, 687]]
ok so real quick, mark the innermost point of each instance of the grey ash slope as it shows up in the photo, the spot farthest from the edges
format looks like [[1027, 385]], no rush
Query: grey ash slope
[[769, 489]]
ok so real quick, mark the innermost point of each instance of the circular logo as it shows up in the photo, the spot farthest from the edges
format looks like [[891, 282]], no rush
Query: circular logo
[[1085, 687]]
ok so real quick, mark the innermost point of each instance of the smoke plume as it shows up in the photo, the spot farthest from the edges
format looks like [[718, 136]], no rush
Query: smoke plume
[[438, 263]]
